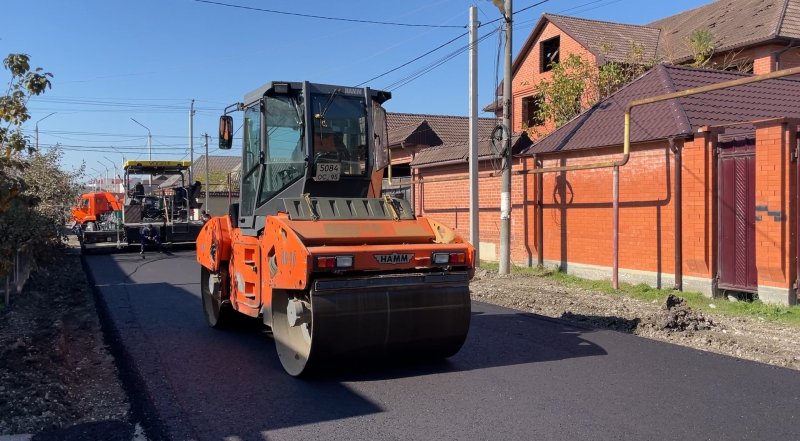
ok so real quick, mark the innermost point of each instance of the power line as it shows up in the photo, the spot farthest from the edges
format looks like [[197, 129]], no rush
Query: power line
[[322, 17], [442, 45], [412, 60], [430, 67]]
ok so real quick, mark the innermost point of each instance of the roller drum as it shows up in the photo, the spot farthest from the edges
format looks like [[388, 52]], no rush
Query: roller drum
[[342, 320]]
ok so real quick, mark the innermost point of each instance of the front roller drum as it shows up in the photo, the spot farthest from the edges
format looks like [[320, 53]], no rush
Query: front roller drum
[[424, 316]]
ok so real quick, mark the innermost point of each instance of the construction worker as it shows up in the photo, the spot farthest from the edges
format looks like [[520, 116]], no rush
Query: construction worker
[[149, 235]]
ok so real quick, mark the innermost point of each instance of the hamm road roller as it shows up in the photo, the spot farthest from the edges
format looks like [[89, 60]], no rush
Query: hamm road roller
[[336, 270]]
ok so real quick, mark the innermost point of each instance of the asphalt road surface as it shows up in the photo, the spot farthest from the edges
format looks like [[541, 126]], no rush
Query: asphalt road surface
[[519, 377]]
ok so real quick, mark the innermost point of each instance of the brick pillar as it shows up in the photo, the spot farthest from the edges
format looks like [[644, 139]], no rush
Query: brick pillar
[[763, 64], [776, 208], [699, 194]]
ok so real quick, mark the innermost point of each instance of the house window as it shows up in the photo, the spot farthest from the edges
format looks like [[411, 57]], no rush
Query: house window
[[530, 111], [550, 49]]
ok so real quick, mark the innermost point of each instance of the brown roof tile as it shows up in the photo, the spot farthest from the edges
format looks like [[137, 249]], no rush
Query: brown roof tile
[[734, 23], [448, 129], [601, 125], [459, 152], [608, 41]]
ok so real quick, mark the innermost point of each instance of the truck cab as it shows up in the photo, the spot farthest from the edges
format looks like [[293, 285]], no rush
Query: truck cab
[[91, 207]]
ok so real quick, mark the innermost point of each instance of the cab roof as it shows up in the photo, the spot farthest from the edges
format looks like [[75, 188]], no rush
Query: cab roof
[[161, 167]]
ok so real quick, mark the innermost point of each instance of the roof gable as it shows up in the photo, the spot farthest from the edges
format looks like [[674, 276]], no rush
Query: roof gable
[[608, 41]]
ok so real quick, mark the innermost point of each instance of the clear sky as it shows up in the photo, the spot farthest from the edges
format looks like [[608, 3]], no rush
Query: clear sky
[[147, 59]]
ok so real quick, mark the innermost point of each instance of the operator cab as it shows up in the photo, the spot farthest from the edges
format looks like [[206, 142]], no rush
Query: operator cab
[[305, 139]]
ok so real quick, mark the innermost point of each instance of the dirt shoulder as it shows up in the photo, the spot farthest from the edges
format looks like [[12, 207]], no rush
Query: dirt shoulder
[[743, 337], [57, 377]]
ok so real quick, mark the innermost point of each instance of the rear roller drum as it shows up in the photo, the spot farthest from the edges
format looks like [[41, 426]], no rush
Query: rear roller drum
[[218, 314], [292, 329]]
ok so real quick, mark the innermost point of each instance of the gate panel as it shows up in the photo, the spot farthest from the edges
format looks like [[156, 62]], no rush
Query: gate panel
[[737, 262]]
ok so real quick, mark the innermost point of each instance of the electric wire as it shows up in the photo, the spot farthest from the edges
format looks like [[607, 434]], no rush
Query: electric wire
[[444, 45], [322, 17]]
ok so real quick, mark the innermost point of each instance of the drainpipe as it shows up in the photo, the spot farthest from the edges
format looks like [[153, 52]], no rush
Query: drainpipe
[[678, 198], [540, 214], [778, 54], [797, 217], [615, 227]]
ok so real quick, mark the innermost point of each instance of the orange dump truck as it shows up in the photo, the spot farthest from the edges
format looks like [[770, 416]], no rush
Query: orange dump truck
[[93, 207], [337, 271]]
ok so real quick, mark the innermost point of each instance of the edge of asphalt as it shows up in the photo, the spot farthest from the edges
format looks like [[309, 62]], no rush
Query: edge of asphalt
[[144, 409]]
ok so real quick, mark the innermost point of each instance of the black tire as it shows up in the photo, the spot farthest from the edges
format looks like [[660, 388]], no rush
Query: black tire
[[90, 226], [219, 315]]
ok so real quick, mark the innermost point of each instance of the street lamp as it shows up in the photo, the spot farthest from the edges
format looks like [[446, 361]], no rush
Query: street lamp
[[106, 168], [114, 179], [149, 139], [37, 128], [149, 151], [98, 177], [120, 153]]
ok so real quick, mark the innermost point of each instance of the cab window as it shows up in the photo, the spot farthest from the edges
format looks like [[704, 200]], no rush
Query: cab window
[[250, 159]]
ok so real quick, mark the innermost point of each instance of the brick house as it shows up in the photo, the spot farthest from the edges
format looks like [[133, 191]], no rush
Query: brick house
[[761, 34], [727, 160]]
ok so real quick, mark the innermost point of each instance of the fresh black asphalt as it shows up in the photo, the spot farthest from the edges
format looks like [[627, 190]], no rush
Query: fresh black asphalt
[[519, 377]]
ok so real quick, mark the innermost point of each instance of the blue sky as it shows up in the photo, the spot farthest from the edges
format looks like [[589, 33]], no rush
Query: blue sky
[[147, 59]]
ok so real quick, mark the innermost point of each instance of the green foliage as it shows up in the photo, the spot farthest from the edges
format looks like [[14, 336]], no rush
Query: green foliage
[[577, 84], [701, 45], [34, 192], [562, 93]]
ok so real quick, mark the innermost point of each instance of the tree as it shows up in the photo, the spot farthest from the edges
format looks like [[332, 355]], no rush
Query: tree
[[577, 84], [701, 45], [19, 217]]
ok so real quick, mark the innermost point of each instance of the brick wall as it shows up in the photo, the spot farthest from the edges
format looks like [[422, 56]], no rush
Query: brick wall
[[577, 210], [775, 206], [763, 57], [699, 189], [448, 202]]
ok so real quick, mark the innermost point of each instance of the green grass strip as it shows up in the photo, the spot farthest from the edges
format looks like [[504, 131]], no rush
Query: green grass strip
[[789, 315]]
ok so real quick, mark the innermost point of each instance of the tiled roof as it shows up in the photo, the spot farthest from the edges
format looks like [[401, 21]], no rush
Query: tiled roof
[[602, 124], [734, 24], [448, 153], [608, 41], [448, 129], [419, 133]]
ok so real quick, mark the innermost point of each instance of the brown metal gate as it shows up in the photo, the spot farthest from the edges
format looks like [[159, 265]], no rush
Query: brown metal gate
[[737, 215]]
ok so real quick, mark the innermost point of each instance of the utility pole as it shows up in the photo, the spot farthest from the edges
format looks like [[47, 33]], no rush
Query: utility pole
[[191, 143], [474, 201], [505, 190], [208, 182]]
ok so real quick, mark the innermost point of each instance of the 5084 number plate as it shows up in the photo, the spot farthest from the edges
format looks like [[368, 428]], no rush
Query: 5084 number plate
[[328, 171]]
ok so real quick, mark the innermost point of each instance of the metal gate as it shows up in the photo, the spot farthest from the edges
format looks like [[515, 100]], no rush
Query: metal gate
[[737, 215]]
